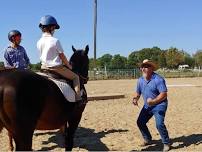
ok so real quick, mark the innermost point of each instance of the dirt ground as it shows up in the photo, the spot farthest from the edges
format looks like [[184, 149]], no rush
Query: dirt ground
[[111, 124]]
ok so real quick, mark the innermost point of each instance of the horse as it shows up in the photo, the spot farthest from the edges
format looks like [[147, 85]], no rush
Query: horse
[[29, 102]]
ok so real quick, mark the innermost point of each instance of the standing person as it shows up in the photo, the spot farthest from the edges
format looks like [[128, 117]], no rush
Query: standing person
[[52, 54], [154, 91], [15, 55]]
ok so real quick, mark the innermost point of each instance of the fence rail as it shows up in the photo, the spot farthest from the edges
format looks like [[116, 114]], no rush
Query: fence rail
[[136, 73]]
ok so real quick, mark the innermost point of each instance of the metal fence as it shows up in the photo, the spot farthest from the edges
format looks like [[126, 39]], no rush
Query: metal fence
[[136, 73], [180, 73]]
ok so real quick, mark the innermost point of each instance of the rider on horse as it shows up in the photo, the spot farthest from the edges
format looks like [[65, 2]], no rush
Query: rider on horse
[[15, 55], [52, 54]]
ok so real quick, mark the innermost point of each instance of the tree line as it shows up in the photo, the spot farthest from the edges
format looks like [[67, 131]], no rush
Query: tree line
[[170, 58]]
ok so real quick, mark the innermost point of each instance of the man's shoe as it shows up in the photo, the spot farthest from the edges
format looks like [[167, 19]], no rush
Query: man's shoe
[[146, 143], [166, 147]]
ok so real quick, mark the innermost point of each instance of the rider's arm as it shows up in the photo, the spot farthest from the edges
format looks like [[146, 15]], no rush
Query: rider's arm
[[62, 55], [64, 60], [7, 61]]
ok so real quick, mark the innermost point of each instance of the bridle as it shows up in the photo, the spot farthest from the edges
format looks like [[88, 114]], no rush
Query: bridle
[[85, 79]]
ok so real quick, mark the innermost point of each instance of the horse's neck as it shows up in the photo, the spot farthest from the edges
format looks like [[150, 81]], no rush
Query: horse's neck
[[82, 86]]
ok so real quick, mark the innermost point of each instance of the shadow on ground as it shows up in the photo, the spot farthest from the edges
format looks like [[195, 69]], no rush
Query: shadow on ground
[[85, 138], [177, 143]]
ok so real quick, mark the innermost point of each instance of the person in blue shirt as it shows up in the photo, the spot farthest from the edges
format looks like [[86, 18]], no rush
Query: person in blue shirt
[[153, 89], [15, 55]]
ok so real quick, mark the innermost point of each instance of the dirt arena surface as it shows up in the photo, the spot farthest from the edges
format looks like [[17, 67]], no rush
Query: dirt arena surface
[[111, 124]]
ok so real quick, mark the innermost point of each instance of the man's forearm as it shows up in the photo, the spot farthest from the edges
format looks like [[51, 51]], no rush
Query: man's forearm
[[160, 97]]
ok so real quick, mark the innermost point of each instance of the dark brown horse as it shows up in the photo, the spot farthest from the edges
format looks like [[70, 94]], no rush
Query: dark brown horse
[[29, 101]]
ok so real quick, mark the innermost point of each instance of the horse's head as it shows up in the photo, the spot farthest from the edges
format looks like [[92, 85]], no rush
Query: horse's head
[[80, 63]]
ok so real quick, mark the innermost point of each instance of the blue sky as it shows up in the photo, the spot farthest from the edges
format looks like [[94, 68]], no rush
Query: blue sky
[[123, 25]]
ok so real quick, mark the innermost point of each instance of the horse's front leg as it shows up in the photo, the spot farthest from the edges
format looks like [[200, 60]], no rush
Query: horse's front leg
[[69, 138], [10, 141], [73, 125]]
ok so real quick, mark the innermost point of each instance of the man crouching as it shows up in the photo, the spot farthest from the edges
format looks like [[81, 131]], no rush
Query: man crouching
[[154, 91]]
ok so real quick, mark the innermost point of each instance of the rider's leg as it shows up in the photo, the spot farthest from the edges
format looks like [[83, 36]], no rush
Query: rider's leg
[[65, 72]]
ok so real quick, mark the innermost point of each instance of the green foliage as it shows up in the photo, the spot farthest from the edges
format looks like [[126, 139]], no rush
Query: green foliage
[[35, 67], [174, 57], [105, 60], [189, 60], [118, 62], [91, 64], [169, 58], [162, 59], [133, 60], [198, 57], [136, 57], [1, 64], [149, 53]]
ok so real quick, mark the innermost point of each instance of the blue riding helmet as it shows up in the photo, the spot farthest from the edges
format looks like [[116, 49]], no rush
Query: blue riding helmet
[[13, 33], [48, 20]]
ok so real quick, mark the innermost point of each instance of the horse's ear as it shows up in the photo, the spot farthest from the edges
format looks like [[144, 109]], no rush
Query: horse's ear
[[86, 49], [74, 50]]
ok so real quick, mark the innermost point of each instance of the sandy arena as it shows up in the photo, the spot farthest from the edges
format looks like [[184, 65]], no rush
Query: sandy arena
[[111, 124]]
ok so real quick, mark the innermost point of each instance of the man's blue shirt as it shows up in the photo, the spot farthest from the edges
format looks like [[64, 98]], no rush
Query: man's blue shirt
[[151, 88], [16, 57]]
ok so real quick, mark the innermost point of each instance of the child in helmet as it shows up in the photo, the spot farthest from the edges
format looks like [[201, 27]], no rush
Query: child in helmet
[[52, 54], [15, 55]]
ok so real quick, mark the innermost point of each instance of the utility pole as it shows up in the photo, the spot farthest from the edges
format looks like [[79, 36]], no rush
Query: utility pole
[[95, 31]]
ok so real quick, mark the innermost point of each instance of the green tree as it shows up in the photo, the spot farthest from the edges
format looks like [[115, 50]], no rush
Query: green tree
[[35, 67], [105, 60], [162, 59], [133, 60], [1, 64], [189, 60], [149, 53], [136, 57], [174, 57], [91, 64], [198, 57], [118, 62]]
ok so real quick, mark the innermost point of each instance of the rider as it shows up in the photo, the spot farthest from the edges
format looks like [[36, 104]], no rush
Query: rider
[[15, 55], [52, 54]]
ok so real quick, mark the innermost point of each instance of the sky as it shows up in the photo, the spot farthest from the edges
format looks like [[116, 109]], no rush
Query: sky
[[123, 26]]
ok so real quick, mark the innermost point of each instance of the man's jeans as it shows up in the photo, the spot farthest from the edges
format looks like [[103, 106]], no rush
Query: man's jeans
[[145, 115]]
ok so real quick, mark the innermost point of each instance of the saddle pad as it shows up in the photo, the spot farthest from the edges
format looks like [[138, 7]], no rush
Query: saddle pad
[[65, 88]]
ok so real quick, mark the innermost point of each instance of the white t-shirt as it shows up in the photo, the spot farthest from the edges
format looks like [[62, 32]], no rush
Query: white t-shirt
[[49, 48]]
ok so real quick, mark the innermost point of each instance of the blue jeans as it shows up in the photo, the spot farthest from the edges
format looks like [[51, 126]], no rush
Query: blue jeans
[[145, 115]]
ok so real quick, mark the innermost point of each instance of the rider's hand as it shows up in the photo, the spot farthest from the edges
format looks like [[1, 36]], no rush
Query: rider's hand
[[70, 67]]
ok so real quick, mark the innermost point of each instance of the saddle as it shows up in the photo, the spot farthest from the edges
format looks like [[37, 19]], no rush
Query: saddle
[[65, 85], [57, 76]]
